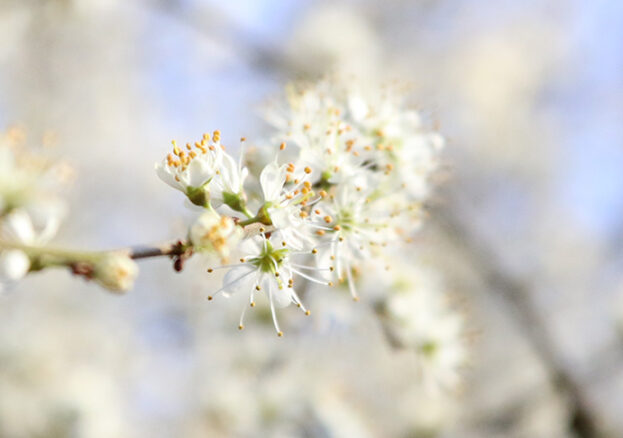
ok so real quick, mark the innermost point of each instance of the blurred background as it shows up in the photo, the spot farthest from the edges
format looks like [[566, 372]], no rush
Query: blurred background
[[526, 226]]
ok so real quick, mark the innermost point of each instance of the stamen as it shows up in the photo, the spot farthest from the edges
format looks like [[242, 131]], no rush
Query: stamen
[[210, 297], [312, 279], [351, 284], [272, 311]]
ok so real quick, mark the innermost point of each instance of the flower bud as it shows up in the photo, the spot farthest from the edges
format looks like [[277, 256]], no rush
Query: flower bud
[[14, 264], [115, 271], [215, 233]]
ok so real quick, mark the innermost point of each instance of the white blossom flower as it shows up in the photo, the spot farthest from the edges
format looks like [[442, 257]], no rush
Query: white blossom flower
[[28, 181], [214, 233], [313, 123], [356, 228], [115, 271], [228, 187], [284, 208], [419, 317], [341, 131], [191, 171], [17, 228], [396, 139], [266, 267]]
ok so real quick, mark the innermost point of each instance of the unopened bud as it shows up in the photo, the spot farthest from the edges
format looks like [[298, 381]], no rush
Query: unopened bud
[[115, 271], [214, 233]]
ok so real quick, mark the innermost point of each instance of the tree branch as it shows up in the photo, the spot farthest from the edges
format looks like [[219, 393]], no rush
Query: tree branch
[[516, 293]]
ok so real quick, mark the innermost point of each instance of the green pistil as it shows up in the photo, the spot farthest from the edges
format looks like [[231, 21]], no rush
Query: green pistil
[[428, 348], [345, 220], [269, 259]]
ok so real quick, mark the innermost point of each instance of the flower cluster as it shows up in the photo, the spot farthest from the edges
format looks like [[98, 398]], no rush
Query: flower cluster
[[417, 315], [31, 212], [345, 182]]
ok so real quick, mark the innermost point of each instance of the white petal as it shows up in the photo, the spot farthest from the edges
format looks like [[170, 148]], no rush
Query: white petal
[[229, 177], [14, 264], [282, 297], [239, 278], [272, 179], [199, 172], [17, 226], [164, 173]]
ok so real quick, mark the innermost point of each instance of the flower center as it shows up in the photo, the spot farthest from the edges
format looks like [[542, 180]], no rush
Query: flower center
[[270, 259], [346, 220]]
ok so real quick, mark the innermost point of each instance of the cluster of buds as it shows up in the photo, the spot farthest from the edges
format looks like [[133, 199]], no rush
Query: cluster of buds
[[345, 182]]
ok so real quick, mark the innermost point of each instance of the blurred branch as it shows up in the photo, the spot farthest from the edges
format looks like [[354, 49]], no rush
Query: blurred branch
[[166, 249], [516, 294], [212, 23]]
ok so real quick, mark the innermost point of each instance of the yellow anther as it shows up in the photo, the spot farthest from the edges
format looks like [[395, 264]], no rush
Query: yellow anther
[[252, 304], [328, 219], [282, 146], [280, 334], [176, 150], [307, 312], [308, 170], [240, 327]]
